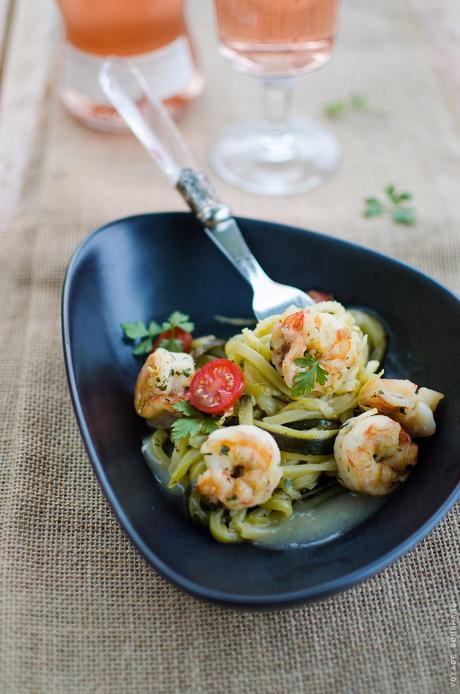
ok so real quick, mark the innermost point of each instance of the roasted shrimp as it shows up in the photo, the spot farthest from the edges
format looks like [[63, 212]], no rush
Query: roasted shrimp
[[243, 466], [373, 453], [162, 382], [327, 337], [400, 400]]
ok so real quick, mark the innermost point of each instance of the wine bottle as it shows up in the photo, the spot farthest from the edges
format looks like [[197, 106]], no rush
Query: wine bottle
[[153, 34]]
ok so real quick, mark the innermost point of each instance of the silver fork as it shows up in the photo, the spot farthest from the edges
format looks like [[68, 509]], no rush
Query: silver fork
[[149, 120]]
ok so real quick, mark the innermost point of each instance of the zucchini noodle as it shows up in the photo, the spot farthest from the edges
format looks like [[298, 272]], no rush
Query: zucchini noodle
[[304, 427]]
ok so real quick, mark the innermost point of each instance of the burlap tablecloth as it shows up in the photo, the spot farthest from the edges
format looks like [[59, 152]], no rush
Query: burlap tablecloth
[[80, 611]]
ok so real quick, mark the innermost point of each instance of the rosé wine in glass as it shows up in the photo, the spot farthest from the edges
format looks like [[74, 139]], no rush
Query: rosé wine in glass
[[269, 37], [277, 41]]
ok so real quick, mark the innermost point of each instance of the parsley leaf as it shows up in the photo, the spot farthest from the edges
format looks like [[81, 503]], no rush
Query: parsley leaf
[[397, 198], [400, 212], [311, 371], [171, 344], [355, 102], [182, 428], [194, 422], [208, 425], [135, 330], [358, 101], [177, 319], [335, 108], [404, 215], [187, 409], [143, 335], [154, 328], [374, 207], [143, 347]]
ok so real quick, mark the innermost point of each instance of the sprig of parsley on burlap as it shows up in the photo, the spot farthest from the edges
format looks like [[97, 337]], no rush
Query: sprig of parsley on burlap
[[396, 204]]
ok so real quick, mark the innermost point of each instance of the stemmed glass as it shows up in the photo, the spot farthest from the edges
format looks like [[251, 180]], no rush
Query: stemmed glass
[[277, 41]]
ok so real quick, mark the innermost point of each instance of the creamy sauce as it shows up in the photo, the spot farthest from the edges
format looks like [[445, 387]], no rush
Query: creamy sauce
[[316, 524], [311, 522], [160, 470]]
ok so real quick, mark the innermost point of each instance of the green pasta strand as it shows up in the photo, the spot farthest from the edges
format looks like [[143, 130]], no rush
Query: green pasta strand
[[245, 410], [263, 397], [308, 481], [196, 510], [291, 416], [183, 466], [293, 471], [288, 456], [303, 434], [219, 530], [251, 531], [196, 469], [256, 344], [279, 502], [314, 405], [157, 443], [265, 327], [266, 370]]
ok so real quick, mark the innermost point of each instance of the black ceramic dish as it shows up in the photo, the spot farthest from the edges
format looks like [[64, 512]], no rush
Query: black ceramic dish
[[144, 267]]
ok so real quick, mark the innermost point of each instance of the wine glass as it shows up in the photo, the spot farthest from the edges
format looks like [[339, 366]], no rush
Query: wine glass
[[277, 41]]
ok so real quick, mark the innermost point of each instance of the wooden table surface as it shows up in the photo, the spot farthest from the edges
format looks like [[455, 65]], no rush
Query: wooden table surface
[[30, 33]]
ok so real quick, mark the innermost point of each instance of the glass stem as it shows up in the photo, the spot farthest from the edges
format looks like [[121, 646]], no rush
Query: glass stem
[[276, 103]]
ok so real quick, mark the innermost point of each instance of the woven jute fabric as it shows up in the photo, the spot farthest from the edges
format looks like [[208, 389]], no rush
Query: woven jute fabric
[[80, 610]]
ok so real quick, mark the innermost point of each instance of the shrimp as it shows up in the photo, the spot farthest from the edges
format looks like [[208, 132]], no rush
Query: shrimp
[[243, 467], [400, 400], [162, 382], [327, 337], [373, 453]]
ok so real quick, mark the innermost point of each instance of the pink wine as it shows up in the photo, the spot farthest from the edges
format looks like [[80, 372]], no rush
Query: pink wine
[[151, 33], [276, 37]]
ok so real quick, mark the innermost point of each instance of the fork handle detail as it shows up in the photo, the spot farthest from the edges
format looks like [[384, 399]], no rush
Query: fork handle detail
[[219, 224]]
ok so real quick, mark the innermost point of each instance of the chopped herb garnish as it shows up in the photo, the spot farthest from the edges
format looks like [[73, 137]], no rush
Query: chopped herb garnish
[[401, 213], [194, 422], [374, 207], [187, 409], [311, 372], [355, 102], [143, 335]]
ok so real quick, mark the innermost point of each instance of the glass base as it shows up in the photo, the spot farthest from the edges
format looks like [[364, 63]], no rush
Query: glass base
[[298, 160]]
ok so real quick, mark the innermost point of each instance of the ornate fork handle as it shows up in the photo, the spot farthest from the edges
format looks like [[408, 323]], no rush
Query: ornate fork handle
[[201, 197], [219, 224]]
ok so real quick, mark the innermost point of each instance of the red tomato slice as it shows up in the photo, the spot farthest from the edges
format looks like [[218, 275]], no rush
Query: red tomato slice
[[216, 386], [319, 296], [175, 334]]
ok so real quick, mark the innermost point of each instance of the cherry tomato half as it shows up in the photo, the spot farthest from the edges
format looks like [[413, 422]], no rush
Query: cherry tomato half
[[216, 386], [319, 296], [175, 334]]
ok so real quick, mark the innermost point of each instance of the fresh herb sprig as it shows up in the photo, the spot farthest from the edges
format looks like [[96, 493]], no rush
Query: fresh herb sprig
[[143, 335], [401, 213], [355, 102], [311, 371], [194, 422]]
